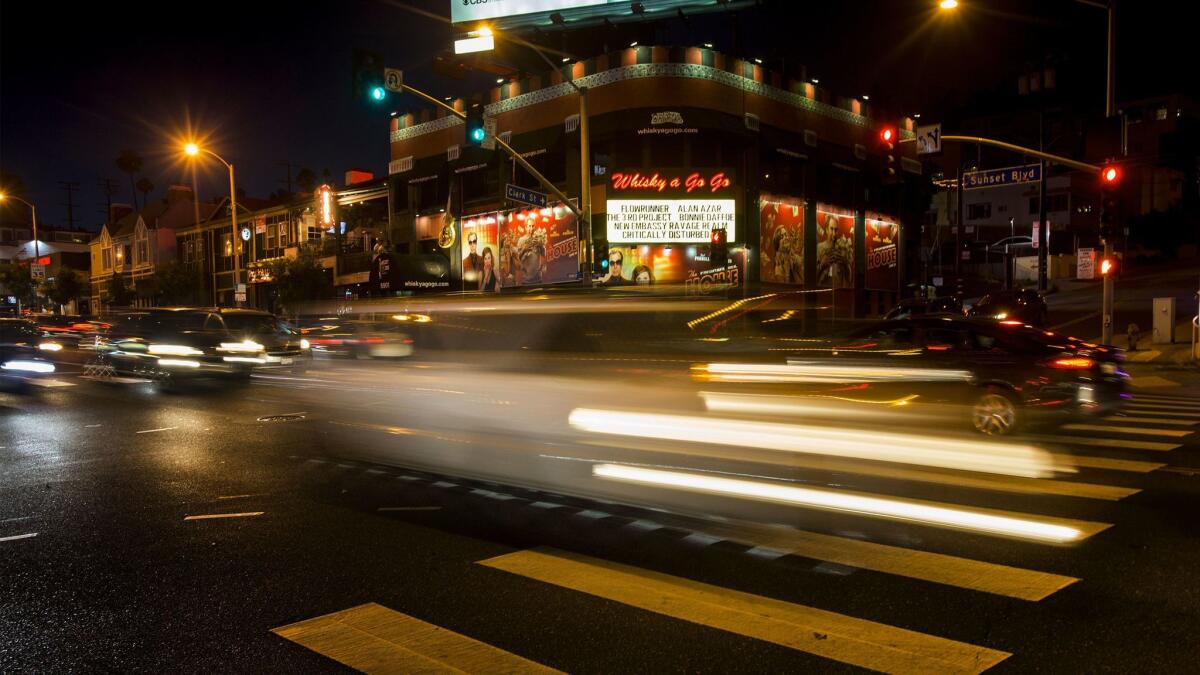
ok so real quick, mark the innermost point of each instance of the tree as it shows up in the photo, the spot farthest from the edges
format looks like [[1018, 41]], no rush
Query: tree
[[63, 288], [300, 279], [17, 280], [119, 292], [178, 283], [145, 186], [306, 180], [130, 163]]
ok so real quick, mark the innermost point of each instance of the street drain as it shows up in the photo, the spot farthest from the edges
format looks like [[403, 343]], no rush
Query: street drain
[[281, 418]]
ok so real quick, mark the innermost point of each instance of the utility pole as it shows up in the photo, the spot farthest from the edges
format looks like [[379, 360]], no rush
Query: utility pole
[[70, 187], [1106, 303], [288, 181], [109, 187]]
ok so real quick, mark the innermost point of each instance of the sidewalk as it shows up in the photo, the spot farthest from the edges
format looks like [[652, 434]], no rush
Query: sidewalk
[[1178, 353]]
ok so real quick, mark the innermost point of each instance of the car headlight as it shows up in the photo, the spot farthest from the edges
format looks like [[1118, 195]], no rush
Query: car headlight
[[174, 350], [1001, 315], [304, 344], [50, 347], [243, 347], [28, 366]]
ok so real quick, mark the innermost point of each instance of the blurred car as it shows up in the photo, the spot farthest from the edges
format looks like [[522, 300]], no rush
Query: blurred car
[[1024, 305], [947, 304], [185, 342], [69, 331], [359, 338], [21, 358], [998, 375]]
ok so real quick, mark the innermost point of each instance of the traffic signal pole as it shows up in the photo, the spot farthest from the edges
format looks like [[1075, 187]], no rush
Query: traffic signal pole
[[1106, 302]]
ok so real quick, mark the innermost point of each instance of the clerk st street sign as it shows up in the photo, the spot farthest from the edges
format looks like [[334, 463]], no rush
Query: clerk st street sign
[[1013, 175]]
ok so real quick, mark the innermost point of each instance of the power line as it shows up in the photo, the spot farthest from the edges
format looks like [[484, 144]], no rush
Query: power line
[[109, 187], [70, 187]]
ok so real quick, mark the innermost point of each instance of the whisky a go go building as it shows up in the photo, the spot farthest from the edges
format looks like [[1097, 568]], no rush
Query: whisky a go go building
[[683, 140]]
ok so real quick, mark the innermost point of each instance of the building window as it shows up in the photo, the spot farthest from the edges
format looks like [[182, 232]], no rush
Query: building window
[[1160, 114], [143, 252], [226, 246], [979, 211], [283, 234], [107, 258]]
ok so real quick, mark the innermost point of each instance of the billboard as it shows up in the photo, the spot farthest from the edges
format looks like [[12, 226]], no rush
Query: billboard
[[481, 254], [670, 206], [835, 247], [538, 246], [481, 10], [654, 264], [781, 228], [882, 241]]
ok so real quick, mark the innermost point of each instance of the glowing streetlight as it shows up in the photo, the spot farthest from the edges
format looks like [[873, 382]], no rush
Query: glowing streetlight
[[948, 4], [193, 150], [37, 254]]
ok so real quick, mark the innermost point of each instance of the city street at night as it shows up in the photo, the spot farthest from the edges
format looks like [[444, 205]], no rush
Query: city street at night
[[185, 530]]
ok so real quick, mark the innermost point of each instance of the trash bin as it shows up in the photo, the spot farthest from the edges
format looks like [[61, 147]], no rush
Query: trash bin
[[1164, 321]]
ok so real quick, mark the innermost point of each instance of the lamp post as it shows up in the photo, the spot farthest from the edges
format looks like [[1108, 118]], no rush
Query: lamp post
[[192, 150], [37, 253]]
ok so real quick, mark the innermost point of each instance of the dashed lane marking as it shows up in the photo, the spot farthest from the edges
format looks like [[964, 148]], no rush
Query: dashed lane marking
[[19, 536], [374, 639], [214, 516], [151, 431], [385, 509], [1129, 465], [842, 638]]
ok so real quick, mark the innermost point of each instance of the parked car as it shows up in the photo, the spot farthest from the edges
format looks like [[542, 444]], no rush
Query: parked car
[[181, 343], [21, 359], [996, 376], [947, 304], [1024, 305]]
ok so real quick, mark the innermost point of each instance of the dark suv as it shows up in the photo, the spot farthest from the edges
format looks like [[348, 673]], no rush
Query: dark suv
[[1024, 305]]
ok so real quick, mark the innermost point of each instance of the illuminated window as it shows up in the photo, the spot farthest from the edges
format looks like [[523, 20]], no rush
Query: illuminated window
[[107, 258], [226, 245]]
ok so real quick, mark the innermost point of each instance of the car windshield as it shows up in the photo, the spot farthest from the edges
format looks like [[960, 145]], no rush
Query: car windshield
[[257, 324], [160, 323]]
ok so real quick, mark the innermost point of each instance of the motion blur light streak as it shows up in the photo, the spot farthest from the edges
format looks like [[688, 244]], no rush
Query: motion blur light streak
[[245, 346], [174, 350], [809, 372], [795, 405], [29, 366], [182, 363], [1013, 460], [878, 507]]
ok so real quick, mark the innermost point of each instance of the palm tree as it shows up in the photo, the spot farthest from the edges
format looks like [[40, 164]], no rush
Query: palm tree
[[144, 186], [130, 162], [306, 180]]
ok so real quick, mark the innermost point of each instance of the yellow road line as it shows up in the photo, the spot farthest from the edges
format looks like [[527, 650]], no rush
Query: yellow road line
[[1171, 433], [1109, 443], [937, 568], [1152, 420], [374, 639], [1115, 464], [838, 637], [213, 516]]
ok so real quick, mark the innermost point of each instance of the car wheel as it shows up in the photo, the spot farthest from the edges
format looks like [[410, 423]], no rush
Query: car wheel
[[995, 413]]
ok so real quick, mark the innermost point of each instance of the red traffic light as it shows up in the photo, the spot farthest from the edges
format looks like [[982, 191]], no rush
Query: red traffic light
[[1107, 266], [1109, 175], [887, 134], [718, 236]]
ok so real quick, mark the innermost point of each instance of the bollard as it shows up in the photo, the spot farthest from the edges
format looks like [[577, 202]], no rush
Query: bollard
[[1134, 333]]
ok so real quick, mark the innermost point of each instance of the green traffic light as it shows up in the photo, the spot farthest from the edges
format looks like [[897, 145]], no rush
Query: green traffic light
[[378, 93], [477, 134]]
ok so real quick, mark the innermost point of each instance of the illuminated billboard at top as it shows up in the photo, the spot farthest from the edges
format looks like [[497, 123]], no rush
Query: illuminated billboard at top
[[509, 14], [462, 11]]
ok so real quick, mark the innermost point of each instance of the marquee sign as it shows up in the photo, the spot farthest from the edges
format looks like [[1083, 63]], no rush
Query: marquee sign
[[709, 182]]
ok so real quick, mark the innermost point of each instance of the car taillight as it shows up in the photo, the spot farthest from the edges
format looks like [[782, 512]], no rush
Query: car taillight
[[1072, 363]]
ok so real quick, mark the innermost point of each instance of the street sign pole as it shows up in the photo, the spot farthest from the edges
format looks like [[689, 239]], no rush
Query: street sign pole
[[1043, 234]]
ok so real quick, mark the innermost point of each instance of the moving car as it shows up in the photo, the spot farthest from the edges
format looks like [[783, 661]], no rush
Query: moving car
[[361, 338], [947, 304], [21, 359], [1024, 305], [168, 344]]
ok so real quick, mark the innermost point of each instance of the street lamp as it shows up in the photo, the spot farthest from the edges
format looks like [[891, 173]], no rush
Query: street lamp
[[37, 253], [948, 4], [192, 150]]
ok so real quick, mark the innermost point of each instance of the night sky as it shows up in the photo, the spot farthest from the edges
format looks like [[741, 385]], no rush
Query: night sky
[[269, 82]]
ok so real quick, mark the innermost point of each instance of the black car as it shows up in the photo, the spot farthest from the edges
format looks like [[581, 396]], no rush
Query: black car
[[996, 375], [171, 344], [20, 357], [1024, 305], [362, 338], [947, 304]]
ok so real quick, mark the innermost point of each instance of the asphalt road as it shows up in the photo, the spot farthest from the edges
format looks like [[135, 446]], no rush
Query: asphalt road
[[101, 569]]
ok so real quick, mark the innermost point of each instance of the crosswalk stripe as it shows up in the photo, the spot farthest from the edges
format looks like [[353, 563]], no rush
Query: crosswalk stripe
[[1136, 431], [938, 568], [1156, 405], [838, 637], [1166, 399], [1164, 414], [1152, 420], [51, 383], [1107, 442], [374, 639], [1130, 465]]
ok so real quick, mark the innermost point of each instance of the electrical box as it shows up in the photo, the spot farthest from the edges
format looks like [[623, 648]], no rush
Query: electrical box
[[1164, 321]]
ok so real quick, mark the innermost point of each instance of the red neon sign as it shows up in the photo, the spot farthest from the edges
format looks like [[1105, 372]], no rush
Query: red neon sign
[[658, 182]]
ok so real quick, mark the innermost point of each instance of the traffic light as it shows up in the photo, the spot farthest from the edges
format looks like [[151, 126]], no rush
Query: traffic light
[[718, 247], [888, 136], [600, 258], [476, 133], [1110, 180], [368, 77], [1108, 266]]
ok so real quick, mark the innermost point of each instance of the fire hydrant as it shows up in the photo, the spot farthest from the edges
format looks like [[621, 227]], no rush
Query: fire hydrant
[[1134, 333]]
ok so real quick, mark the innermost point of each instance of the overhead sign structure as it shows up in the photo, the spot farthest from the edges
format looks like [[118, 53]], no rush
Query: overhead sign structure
[[929, 139], [480, 41], [393, 79], [516, 193], [1013, 175]]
